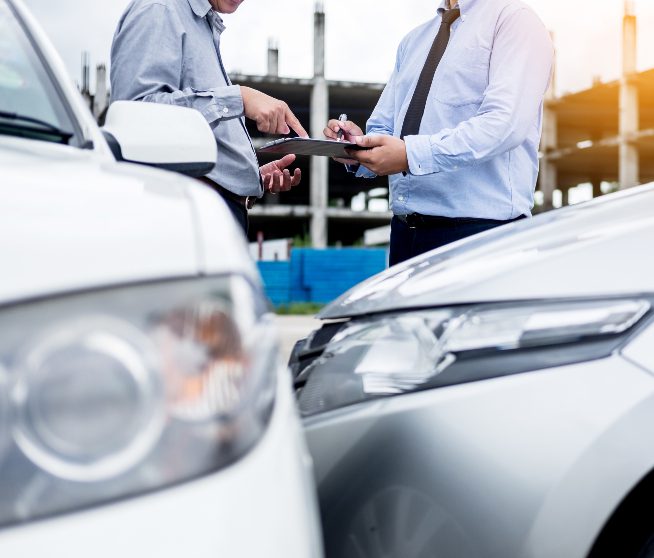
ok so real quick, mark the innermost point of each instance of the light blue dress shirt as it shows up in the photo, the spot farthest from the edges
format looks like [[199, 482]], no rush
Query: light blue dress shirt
[[168, 51], [477, 151]]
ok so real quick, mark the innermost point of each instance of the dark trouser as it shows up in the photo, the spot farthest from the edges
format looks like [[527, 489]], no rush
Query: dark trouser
[[407, 242]]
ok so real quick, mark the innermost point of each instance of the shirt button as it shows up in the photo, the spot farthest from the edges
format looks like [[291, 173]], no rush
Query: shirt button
[[401, 198], [225, 110]]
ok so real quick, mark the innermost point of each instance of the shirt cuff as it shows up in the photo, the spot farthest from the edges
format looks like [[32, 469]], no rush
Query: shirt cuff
[[419, 154], [360, 171], [224, 103], [364, 172]]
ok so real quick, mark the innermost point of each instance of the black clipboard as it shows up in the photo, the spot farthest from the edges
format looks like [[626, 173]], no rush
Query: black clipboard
[[308, 146]]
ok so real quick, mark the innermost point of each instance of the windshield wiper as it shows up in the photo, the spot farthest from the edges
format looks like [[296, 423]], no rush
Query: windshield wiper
[[45, 128]]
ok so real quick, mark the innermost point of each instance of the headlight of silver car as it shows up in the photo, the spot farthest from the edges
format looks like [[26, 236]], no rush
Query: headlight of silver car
[[398, 353], [111, 393]]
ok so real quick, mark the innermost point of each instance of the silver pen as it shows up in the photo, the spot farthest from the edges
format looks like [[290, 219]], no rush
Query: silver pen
[[341, 118]]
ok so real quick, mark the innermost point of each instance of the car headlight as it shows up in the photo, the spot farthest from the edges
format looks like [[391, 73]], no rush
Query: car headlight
[[398, 353], [111, 393]]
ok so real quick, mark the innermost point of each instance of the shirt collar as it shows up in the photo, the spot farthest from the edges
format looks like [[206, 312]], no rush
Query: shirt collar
[[217, 21], [464, 5], [200, 7]]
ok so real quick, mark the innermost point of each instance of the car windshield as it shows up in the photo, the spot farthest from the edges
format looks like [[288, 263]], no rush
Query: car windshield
[[30, 104]]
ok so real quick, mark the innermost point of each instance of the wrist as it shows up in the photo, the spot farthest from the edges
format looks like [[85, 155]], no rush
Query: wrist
[[247, 94]]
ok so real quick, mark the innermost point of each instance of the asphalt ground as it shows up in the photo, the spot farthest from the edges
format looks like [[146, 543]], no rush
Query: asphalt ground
[[292, 328]]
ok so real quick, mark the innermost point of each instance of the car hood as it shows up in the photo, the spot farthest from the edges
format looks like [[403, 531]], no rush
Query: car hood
[[597, 248], [71, 219]]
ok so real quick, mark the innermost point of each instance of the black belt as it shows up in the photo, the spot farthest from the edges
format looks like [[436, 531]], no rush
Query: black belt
[[247, 201], [418, 221]]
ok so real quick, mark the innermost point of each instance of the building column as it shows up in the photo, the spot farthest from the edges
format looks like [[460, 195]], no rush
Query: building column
[[101, 97], [547, 183], [547, 177], [629, 113], [85, 86], [273, 58], [565, 197], [319, 118]]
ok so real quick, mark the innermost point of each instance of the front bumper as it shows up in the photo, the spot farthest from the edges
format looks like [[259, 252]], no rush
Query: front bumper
[[263, 505]]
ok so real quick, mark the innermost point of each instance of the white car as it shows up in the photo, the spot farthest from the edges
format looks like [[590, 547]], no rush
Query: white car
[[494, 398], [144, 410]]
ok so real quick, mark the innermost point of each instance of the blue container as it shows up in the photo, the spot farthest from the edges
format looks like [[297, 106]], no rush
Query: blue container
[[276, 278], [320, 276]]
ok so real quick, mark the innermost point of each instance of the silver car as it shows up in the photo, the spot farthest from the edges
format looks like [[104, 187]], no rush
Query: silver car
[[495, 398]]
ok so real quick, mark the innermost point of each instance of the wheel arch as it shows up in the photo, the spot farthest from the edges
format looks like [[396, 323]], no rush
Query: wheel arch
[[630, 526]]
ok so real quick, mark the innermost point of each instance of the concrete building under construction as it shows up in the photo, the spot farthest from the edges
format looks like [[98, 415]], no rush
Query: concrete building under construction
[[320, 210], [604, 134]]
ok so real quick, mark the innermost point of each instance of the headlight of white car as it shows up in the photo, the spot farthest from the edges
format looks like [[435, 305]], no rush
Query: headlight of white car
[[398, 353], [107, 394]]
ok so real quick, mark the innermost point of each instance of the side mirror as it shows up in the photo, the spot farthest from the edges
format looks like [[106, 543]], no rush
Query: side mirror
[[164, 136]]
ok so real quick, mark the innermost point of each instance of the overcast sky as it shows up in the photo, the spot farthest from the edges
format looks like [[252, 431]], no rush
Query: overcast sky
[[362, 35]]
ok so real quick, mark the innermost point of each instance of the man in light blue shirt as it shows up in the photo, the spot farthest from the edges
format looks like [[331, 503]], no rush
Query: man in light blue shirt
[[458, 125], [168, 51]]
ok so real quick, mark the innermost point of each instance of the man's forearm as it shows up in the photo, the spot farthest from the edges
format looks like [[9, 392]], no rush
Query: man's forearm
[[220, 103], [475, 141]]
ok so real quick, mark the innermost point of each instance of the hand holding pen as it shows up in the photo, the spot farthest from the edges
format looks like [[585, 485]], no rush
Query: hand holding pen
[[342, 129]]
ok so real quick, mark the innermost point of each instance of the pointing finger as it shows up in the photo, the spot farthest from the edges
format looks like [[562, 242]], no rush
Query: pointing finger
[[294, 124]]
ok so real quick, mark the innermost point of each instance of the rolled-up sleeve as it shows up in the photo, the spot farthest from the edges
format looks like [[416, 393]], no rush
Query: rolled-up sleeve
[[147, 61], [519, 73]]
